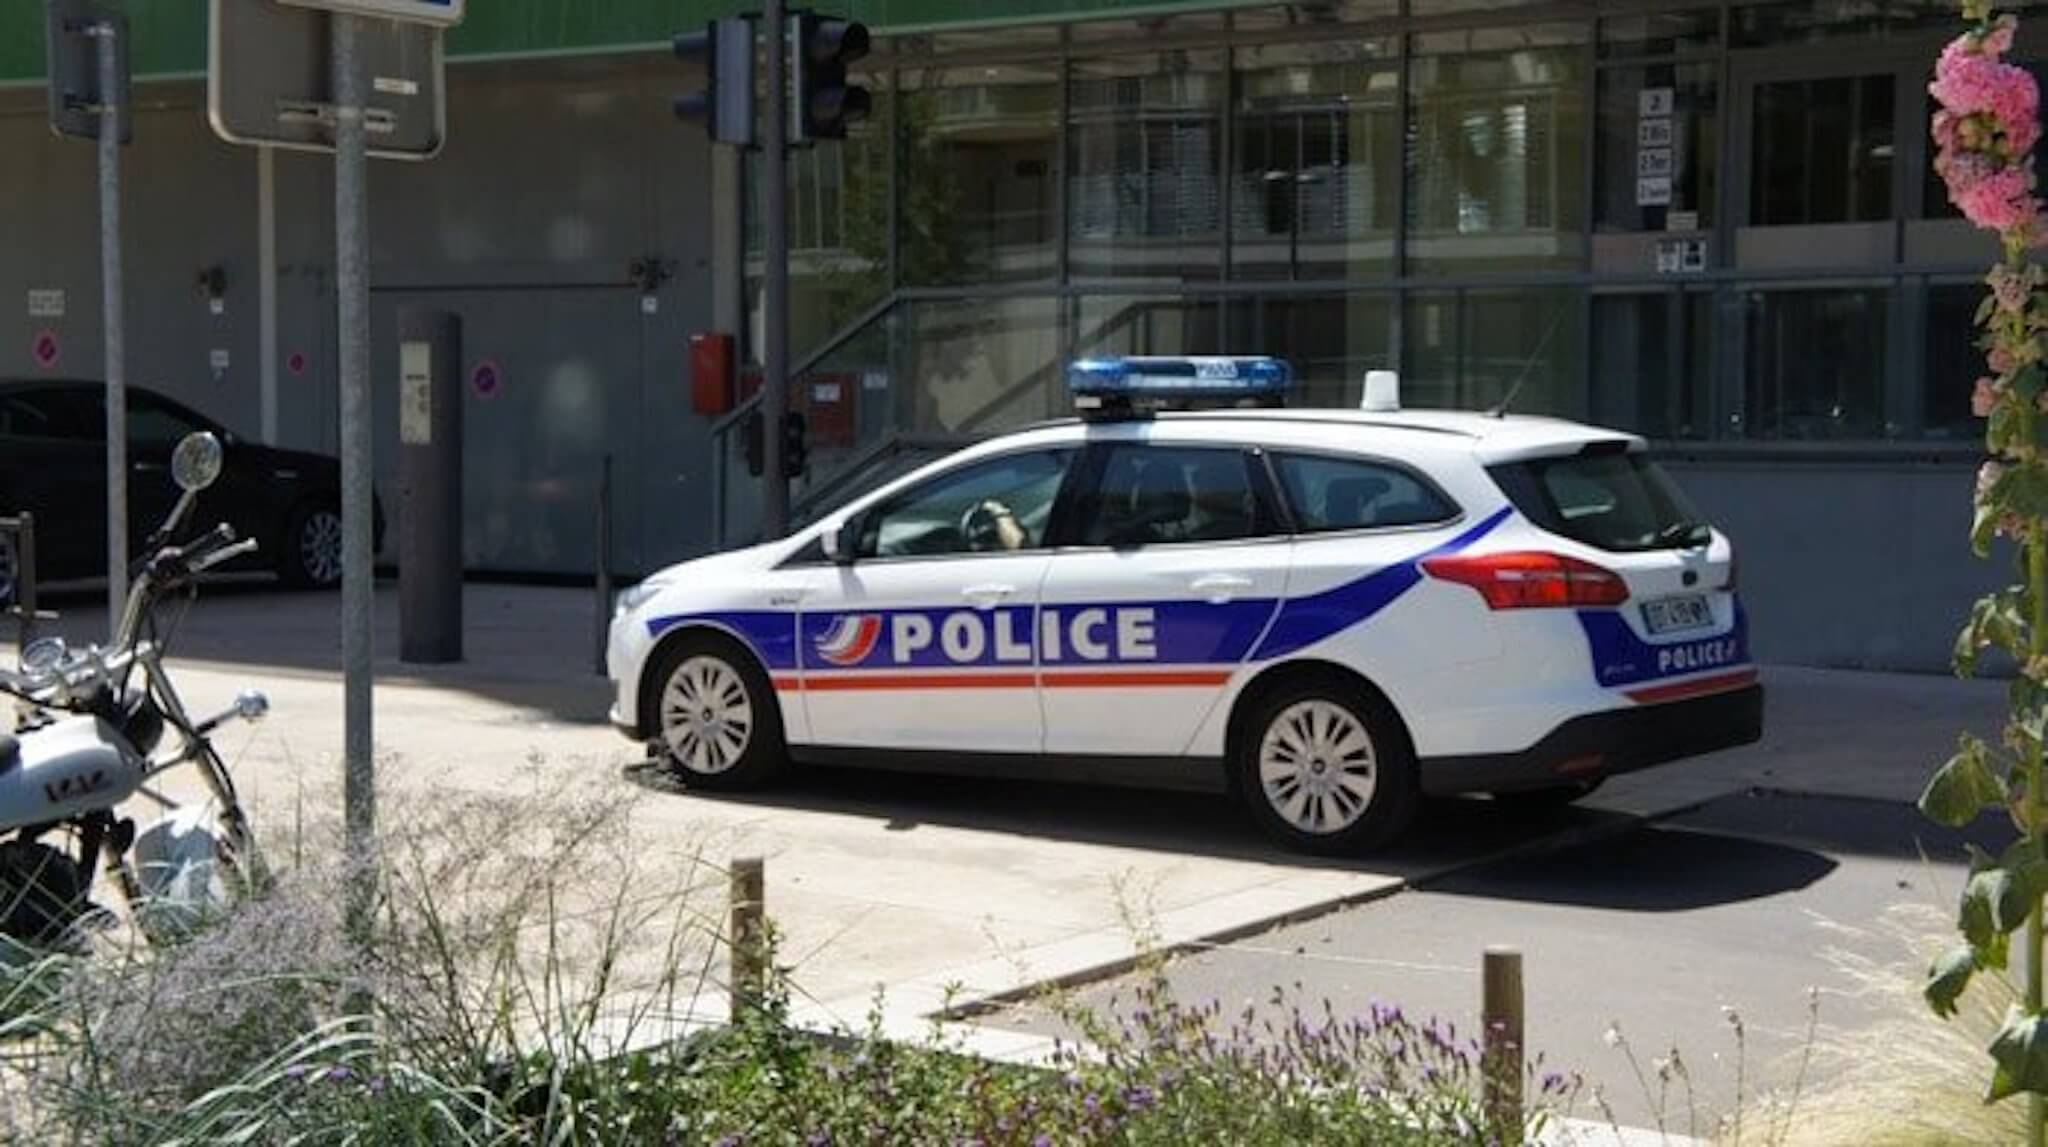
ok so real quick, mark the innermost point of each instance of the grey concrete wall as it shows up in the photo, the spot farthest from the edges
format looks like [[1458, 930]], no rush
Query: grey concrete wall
[[1860, 565], [556, 176]]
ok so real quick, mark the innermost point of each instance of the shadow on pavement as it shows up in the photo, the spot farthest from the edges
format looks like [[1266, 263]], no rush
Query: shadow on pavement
[[1738, 848], [1655, 869], [1448, 832], [524, 645]]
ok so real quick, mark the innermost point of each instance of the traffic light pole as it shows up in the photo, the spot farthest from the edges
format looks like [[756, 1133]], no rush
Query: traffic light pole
[[775, 325]]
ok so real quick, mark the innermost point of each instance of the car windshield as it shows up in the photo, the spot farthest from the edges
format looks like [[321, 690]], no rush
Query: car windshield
[[1611, 499]]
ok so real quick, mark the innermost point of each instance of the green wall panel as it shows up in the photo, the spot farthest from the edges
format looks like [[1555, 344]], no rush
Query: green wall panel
[[170, 35]]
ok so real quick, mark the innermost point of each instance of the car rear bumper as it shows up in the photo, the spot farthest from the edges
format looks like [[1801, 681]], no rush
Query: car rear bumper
[[1608, 743]]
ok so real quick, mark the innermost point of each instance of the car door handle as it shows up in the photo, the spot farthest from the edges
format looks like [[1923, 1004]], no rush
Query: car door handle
[[147, 467], [1220, 588], [986, 596]]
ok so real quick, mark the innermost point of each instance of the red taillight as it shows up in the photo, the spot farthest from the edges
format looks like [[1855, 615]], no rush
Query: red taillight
[[1531, 580]]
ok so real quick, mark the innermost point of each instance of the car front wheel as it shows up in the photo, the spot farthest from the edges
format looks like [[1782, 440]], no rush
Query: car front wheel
[[1326, 769], [716, 720], [310, 555]]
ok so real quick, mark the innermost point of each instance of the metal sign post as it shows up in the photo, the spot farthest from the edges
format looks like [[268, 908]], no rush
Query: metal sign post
[[86, 46], [775, 354], [352, 307], [325, 76], [109, 33]]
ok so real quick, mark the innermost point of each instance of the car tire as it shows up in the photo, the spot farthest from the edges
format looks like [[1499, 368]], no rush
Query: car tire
[[309, 552], [714, 716], [1548, 798], [1325, 767]]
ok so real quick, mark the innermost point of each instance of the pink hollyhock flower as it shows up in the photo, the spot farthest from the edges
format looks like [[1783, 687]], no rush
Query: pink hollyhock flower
[[1983, 398], [1945, 123], [1998, 202]]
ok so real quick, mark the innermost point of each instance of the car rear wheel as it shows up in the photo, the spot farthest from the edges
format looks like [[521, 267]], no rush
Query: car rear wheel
[[716, 720], [310, 555], [1325, 768]]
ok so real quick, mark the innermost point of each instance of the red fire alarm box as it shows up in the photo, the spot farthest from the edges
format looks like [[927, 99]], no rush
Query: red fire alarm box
[[711, 372], [829, 398]]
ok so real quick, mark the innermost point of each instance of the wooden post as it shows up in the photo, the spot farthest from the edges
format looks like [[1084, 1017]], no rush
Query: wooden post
[[748, 936], [1501, 1063]]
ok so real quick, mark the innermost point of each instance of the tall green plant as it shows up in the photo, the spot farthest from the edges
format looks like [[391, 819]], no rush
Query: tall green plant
[[1984, 131]]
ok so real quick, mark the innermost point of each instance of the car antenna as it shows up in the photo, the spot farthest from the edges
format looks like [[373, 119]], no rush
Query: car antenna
[[1500, 409]]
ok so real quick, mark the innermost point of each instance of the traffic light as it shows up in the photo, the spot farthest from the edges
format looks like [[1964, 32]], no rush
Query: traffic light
[[796, 445], [725, 105], [825, 102]]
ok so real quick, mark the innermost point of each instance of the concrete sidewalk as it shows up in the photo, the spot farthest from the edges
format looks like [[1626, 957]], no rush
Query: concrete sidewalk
[[942, 889]]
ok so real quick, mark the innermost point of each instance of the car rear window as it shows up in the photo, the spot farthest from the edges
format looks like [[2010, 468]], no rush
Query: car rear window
[[1611, 499]]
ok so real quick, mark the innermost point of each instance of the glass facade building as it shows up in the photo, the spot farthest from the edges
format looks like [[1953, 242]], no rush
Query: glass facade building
[[1708, 222]]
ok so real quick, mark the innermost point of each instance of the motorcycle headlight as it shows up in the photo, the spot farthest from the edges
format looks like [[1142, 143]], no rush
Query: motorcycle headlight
[[633, 598]]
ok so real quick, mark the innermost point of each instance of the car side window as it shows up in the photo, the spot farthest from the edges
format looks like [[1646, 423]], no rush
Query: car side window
[[154, 423], [997, 506], [44, 414], [1153, 495], [1350, 494], [22, 417]]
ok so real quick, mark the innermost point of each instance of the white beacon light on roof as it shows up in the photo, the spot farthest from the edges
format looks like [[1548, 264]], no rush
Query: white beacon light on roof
[[1382, 391]]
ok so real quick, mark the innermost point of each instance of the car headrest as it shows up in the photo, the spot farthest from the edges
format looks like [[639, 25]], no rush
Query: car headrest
[[1345, 499]]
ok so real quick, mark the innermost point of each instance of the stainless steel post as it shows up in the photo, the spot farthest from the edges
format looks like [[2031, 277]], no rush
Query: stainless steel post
[[775, 332], [602, 635], [352, 306], [106, 37]]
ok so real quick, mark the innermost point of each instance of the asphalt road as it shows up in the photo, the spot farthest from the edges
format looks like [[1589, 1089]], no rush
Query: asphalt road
[[1745, 903]]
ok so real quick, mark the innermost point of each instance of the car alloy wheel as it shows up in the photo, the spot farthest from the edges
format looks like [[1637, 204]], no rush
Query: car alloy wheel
[[707, 719], [1317, 767], [320, 547]]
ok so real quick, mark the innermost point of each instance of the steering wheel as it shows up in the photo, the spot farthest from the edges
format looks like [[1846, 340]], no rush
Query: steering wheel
[[981, 526]]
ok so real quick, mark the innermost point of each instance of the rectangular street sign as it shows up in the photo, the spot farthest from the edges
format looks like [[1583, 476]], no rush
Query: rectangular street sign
[[439, 13], [74, 65], [269, 81]]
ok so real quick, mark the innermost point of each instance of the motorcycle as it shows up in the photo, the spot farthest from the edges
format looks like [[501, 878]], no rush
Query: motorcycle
[[88, 738]]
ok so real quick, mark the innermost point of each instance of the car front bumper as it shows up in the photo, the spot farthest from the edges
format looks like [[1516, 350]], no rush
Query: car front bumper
[[1608, 743]]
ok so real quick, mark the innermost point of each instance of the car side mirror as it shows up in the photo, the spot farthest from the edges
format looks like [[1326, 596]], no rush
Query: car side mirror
[[842, 542]]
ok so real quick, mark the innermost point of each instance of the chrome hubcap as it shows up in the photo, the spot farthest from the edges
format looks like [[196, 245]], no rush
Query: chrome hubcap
[[1317, 767], [706, 719], [320, 546]]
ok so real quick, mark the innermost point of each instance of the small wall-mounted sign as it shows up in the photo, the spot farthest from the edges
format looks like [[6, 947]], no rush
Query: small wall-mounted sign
[[46, 302], [1681, 256]]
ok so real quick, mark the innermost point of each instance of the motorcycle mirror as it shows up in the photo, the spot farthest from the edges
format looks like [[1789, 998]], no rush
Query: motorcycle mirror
[[195, 464], [251, 704], [43, 654]]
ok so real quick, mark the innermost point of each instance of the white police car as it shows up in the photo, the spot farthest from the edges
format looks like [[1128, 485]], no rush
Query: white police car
[[1328, 612]]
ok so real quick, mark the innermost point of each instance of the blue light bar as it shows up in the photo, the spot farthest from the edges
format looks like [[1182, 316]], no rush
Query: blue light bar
[[1176, 379]]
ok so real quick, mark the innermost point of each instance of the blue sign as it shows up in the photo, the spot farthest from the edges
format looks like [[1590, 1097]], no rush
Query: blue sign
[[1197, 376]]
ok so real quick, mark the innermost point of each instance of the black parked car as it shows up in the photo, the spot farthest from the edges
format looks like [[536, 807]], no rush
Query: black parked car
[[53, 462]]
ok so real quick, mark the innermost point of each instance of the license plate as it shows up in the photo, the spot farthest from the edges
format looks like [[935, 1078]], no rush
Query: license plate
[[1672, 614]]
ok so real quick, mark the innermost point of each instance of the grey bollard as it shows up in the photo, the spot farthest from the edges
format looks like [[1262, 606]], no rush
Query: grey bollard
[[430, 486]]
